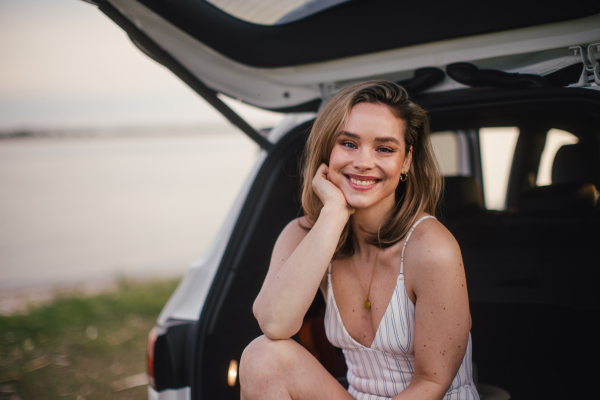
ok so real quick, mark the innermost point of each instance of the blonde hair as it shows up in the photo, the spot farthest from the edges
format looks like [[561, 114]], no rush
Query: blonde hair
[[419, 193]]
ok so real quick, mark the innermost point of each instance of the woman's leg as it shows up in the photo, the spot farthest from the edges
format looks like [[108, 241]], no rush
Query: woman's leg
[[282, 369]]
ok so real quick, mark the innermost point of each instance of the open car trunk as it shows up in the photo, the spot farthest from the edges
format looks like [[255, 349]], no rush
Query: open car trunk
[[531, 269]]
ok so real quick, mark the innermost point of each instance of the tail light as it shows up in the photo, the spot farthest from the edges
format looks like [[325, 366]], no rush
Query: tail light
[[168, 355], [150, 357]]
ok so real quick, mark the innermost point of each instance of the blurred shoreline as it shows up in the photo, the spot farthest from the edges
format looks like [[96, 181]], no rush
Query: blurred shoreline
[[17, 300], [122, 131]]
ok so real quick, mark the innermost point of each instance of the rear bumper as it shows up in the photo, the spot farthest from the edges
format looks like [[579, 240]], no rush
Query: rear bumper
[[173, 356], [184, 393]]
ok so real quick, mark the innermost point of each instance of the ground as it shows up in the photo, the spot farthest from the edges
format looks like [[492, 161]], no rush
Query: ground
[[82, 346]]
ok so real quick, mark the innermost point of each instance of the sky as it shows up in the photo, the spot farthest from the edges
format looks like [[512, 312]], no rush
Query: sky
[[64, 64]]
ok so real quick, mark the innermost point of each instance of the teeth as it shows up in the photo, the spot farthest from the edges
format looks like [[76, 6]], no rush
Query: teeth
[[362, 183]]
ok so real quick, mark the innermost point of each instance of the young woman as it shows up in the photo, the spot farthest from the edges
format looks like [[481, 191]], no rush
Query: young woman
[[391, 274]]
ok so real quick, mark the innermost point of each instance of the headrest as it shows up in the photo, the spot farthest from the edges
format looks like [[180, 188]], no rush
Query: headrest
[[576, 163], [566, 197], [461, 193]]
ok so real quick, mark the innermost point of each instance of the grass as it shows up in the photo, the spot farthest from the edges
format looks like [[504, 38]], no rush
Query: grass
[[81, 347]]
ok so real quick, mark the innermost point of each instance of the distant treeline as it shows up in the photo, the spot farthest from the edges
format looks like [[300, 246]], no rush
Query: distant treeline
[[127, 131]]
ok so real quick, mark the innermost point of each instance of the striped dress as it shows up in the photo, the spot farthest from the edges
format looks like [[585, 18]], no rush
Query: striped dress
[[386, 368]]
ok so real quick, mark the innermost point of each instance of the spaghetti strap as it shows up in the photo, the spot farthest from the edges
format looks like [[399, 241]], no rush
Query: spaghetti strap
[[329, 269], [406, 241]]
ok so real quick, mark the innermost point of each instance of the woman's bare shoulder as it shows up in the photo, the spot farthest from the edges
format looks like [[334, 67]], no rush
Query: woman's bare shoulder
[[432, 247], [431, 230], [293, 233], [297, 227]]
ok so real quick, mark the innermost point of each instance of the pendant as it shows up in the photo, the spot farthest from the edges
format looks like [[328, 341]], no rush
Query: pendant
[[367, 304]]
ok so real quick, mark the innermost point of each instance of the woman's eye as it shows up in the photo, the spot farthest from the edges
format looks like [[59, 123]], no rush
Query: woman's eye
[[350, 145], [385, 150]]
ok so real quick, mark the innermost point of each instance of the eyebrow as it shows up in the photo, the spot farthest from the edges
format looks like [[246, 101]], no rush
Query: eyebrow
[[381, 139]]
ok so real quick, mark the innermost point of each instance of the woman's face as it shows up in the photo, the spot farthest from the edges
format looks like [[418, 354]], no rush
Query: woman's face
[[369, 156]]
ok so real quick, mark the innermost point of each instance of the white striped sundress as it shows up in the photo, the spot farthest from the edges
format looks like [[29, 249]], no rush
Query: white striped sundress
[[386, 368]]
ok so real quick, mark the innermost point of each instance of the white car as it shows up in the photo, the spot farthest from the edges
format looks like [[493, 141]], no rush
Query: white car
[[532, 263]]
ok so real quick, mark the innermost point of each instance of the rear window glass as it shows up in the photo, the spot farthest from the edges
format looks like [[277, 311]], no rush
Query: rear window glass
[[273, 12], [555, 139], [497, 151], [445, 148]]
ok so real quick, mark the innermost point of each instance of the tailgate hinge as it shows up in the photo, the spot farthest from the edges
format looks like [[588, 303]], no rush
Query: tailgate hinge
[[590, 76]]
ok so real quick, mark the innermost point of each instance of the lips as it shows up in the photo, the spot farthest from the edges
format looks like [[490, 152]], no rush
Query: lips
[[362, 182]]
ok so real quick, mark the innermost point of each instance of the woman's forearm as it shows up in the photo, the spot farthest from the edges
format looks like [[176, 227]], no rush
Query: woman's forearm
[[421, 388], [286, 295]]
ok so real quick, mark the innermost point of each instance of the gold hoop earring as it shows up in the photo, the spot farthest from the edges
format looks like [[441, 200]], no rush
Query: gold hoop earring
[[403, 177]]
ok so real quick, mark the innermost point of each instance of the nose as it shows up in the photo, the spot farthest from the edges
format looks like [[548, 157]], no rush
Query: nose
[[364, 159]]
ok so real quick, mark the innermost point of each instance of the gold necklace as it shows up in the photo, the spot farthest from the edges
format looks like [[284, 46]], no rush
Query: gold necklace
[[367, 302]]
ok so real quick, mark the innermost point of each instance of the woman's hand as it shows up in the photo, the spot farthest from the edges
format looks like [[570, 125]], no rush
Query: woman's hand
[[329, 194]]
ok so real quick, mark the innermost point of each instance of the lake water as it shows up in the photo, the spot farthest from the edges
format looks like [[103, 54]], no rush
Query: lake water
[[85, 209]]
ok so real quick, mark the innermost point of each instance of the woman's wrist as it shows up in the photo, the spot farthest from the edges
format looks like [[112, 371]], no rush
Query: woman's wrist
[[339, 212]]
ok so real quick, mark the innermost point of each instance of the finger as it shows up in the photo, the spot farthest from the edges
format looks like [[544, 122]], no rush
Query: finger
[[323, 170]]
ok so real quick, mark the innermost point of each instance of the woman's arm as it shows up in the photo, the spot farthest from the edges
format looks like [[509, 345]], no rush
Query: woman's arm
[[299, 262], [442, 316]]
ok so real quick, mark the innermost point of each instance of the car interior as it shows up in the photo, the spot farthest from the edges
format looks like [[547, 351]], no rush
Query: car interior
[[531, 267]]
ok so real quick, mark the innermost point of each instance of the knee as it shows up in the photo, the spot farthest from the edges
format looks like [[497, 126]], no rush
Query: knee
[[264, 355], [264, 360]]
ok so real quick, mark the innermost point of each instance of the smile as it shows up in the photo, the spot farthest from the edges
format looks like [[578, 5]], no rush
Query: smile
[[364, 182]]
